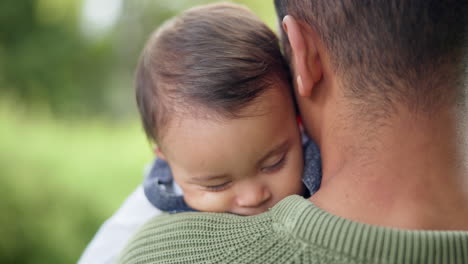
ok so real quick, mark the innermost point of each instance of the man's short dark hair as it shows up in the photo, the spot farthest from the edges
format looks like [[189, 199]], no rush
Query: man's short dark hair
[[405, 51]]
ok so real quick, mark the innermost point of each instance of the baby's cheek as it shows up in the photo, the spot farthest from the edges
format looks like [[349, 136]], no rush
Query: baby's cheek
[[296, 171], [289, 182], [208, 201]]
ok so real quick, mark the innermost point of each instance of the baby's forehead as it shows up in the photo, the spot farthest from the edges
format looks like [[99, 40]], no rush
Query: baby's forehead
[[197, 142]]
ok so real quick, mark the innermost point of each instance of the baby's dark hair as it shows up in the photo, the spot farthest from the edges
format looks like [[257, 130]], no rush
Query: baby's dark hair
[[210, 61]]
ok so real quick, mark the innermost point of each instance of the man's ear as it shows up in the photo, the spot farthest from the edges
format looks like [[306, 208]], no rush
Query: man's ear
[[159, 153], [305, 56]]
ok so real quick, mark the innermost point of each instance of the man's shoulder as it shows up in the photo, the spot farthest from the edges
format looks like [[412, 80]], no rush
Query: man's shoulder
[[293, 231], [196, 237]]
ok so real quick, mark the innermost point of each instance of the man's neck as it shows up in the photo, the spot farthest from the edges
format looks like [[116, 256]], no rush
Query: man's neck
[[408, 173]]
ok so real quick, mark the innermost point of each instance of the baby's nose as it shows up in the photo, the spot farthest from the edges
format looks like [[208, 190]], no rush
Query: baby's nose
[[253, 196]]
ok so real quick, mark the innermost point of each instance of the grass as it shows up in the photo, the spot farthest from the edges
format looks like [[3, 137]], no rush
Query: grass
[[59, 180]]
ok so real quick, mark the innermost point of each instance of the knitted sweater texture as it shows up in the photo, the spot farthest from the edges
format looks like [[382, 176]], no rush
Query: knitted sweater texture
[[293, 231]]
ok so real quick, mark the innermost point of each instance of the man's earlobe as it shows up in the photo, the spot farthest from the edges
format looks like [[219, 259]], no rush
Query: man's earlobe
[[159, 153]]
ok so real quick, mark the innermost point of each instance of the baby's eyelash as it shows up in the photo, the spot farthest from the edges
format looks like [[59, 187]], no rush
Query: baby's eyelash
[[218, 188], [278, 165]]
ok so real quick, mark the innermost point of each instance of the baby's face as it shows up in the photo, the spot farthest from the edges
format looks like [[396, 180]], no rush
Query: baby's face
[[242, 166]]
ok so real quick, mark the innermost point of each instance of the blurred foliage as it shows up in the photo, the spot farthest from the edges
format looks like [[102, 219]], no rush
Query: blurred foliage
[[60, 181], [44, 58], [71, 146]]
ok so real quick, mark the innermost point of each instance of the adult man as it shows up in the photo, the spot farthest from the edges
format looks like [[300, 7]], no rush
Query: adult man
[[379, 83], [380, 88]]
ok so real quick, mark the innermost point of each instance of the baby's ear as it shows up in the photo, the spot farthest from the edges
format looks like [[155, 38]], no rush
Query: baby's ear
[[159, 153]]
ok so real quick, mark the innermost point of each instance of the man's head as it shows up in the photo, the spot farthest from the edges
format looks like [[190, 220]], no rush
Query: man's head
[[383, 54], [378, 84]]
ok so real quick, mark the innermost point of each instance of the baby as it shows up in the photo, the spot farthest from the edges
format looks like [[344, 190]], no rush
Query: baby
[[214, 94]]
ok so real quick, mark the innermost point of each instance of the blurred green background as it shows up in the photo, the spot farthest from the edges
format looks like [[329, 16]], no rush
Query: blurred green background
[[71, 145]]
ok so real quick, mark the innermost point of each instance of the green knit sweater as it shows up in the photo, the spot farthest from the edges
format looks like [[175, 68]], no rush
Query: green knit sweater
[[293, 231]]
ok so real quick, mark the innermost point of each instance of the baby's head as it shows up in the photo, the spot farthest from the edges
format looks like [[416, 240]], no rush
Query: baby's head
[[213, 92]]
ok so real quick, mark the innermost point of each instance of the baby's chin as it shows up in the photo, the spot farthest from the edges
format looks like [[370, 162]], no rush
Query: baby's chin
[[242, 212], [237, 211], [252, 211]]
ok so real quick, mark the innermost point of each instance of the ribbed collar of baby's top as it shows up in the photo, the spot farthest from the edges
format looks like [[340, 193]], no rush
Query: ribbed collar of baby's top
[[322, 230]]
